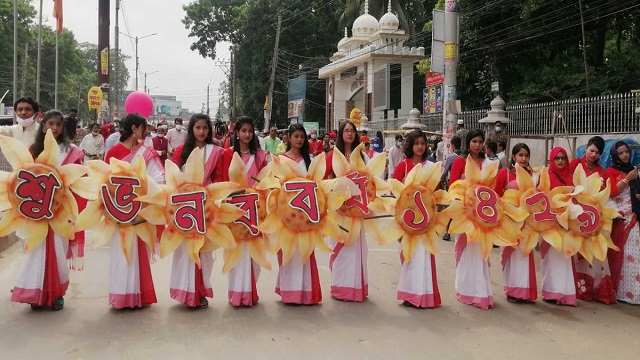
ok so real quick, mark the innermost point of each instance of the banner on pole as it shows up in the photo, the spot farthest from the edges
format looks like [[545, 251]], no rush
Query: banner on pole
[[94, 98]]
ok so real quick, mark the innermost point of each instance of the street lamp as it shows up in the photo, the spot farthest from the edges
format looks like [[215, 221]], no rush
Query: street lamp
[[138, 38], [145, 79]]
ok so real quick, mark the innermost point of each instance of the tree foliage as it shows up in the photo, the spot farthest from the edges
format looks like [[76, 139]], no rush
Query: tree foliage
[[533, 48], [77, 61]]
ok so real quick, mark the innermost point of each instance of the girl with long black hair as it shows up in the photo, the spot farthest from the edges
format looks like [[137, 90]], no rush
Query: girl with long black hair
[[473, 278], [131, 283], [44, 277], [244, 275], [298, 281], [190, 284]]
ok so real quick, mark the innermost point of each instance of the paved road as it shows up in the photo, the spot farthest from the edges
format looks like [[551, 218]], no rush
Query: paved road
[[377, 329]]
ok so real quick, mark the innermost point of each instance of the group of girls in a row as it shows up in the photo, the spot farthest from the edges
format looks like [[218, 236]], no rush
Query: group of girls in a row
[[564, 279], [44, 278]]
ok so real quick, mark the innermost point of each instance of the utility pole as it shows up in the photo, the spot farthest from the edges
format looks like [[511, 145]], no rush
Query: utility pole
[[55, 89], [103, 61], [116, 68], [208, 89], [274, 64], [39, 56], [15, 52], [25, 64], [449, 110], [137, 63], [232, 87], [584, 49]]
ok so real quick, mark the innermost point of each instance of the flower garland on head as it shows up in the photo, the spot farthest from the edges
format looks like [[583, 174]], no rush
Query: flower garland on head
[[192, 213], [301, 206], [116, 207], [477, 211], [37, 194]]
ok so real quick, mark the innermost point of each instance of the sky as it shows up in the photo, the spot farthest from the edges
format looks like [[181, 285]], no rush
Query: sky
[[180, 71]]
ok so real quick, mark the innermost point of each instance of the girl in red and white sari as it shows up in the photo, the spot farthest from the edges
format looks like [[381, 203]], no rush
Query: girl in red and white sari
[[519, 270], [593, 281], [473, 278], [298, 281], [558, 285], [244, 276], [418, 284], [348, 263], [44, 277], [130, 282], [625, 264], [190, 284]]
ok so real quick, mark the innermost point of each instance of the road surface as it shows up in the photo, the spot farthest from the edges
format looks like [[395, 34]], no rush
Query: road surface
[[378, 329]]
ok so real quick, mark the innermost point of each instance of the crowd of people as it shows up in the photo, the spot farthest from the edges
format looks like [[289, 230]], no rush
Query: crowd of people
[[43, 282]]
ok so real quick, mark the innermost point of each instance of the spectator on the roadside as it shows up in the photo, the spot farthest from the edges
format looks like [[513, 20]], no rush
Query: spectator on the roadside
[[93, 143]]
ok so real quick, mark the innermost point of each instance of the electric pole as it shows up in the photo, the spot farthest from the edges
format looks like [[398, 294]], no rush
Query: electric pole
[[39, 55], [208, 89], [584, 49], [25, 64], [15, 52], [274, 64], [116, 68], [232, 86], [449, 110]]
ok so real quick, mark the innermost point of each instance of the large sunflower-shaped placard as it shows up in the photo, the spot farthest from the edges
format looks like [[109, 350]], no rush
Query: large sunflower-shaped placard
[[542, 204], [192, 213], [477, 211], [37, 194], [368, 201], [588, 219], [301, 207], [246, 229], [416, 217], [116, 207]]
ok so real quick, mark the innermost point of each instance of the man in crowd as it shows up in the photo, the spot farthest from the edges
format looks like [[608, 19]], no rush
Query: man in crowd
[[28, 116], [176, 136], [455, 146], [160, 143], [282, 146], [271, 143], [491, 149], [113, 138], [462, 134], [315, 145], [93, 143], [396, 154]]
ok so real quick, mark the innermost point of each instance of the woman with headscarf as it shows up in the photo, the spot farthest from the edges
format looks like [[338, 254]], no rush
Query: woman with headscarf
[[625, 268], [558, 286], [593, 280]]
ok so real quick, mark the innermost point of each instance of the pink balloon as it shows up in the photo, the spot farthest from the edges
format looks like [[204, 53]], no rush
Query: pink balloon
[[140, 103]]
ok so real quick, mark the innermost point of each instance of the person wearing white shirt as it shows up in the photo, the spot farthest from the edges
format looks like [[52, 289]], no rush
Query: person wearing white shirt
[[112, 139], [176, 136], [396, 154], [27, 116], [93, 144]]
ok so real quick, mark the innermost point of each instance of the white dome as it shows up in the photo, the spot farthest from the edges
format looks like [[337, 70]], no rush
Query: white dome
[[365, 25], [389, 21], [343, 42]]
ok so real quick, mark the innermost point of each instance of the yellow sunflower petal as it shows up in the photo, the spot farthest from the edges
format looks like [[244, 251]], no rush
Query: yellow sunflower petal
[[237, 170], [408, 246], [15, 152], [306, 245], [288, 244], [104, 236], [147, 233], [193, 169], [169, 242], [232, 256], [172, 174], [36, 235], [221, 236], [524, 179], [570, 244], [155, 215], [377, 165], [193, 247], [339, 164], [86, 188], [72, 172], [227, 213], [318, 167], [10, 222], [356, 159], [62, 224], [51, 152], [258, 251], [461, 225], [433, 174], [554, 238]]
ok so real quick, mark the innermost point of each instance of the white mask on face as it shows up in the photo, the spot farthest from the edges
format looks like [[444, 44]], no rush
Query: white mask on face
[[25, 122]]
